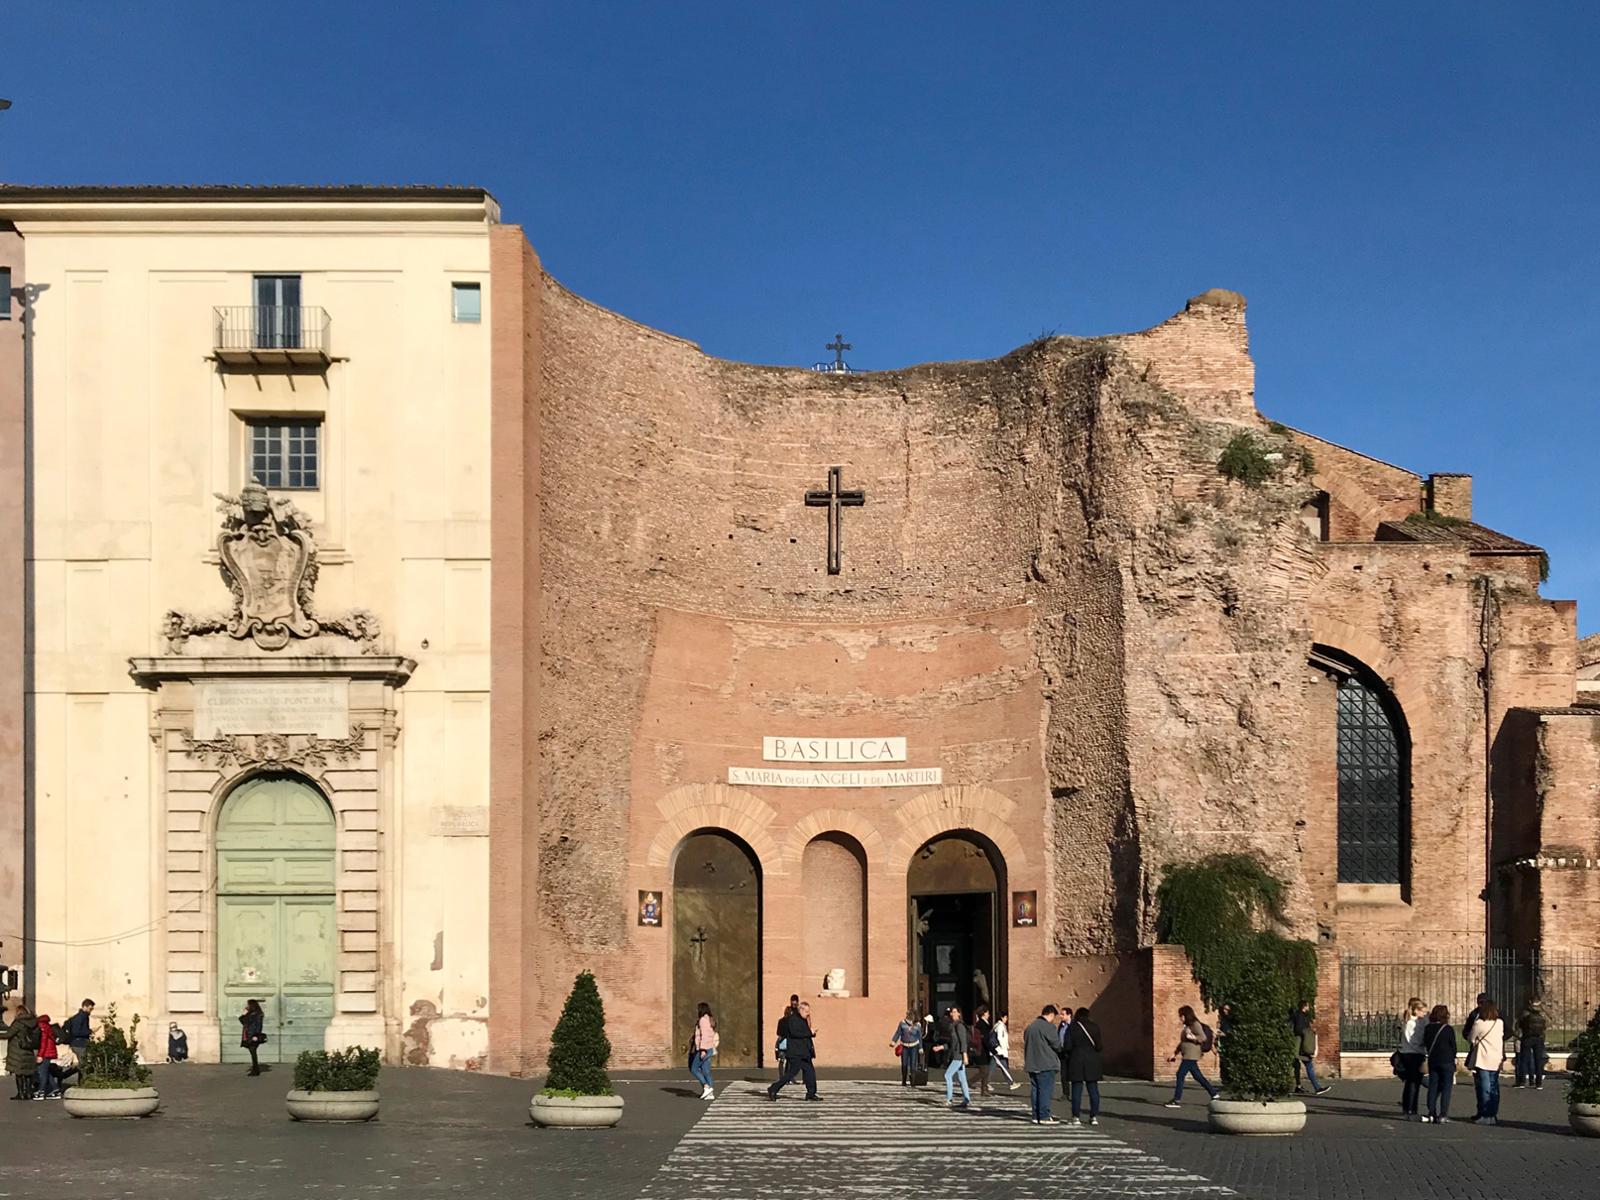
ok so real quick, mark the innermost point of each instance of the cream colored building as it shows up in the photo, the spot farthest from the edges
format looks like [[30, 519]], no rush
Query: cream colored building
[[279, 790]]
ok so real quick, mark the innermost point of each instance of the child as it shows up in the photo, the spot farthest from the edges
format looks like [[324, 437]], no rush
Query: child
[[49, 1089]]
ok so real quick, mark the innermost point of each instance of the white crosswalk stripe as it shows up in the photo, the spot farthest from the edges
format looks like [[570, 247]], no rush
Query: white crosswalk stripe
[[879, 1140]]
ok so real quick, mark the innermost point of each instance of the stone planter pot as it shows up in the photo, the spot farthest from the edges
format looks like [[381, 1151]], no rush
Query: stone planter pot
[[1585, 1119], [125, 1103], [1258, 1117], [332, 1106], [576, 1112]]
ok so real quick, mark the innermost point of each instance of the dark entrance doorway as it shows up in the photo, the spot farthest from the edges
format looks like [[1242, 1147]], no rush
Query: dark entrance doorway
[[716, 944], [956, 935]]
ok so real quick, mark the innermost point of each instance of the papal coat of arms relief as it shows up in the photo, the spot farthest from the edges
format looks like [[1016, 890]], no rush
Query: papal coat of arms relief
[[268, 559]]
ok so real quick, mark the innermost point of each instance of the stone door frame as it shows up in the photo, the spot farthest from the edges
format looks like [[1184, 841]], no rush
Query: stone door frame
[[190, 782]]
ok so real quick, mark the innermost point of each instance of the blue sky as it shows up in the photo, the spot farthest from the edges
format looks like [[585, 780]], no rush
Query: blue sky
[[1407, 194]]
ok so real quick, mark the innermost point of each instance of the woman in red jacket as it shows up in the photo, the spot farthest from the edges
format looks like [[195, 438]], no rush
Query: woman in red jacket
[[49, 1088]]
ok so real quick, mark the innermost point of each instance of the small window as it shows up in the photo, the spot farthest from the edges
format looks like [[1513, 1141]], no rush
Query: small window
[[286, 454], [466, 302], [5, 293]]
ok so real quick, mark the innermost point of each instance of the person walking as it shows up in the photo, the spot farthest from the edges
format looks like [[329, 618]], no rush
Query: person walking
[[46, 1088], [76, 1031], [1039, 1060], [1002, 1049], [907, 1043], [21, 1036], [796, 1030], [1486, 1042], [702, 1046], [1187, 1053], [1305, 1033], [981, 1054], [781, 1046], [252, 1032], [1412, 1056], [958, 1045], [1084, 1066], [1531, 1057], [1439, 1044]]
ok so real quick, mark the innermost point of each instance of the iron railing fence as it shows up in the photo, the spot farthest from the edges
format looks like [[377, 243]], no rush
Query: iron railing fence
[[272, 327], [1373, 992]]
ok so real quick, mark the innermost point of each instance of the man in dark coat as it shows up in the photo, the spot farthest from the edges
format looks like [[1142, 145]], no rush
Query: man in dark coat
[[76, 1030], [796, 1027]]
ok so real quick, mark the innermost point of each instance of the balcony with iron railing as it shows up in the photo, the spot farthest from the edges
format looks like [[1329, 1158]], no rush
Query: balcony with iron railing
[[272, 334]]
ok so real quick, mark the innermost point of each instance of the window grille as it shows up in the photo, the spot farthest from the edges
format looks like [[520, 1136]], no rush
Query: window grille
[[1372, 787]]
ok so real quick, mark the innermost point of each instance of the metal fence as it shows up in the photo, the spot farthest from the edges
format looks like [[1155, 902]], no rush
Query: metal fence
[[271, 327], [1373, 993]]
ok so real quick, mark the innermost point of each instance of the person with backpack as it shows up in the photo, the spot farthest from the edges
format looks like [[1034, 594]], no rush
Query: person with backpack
[[1410, 1056], [1439, 1044], [1531, 1057], [907, 1043], [1486, 1039], [982, 1053], [780, 1048], [76, 1030], [1039, 1060], [702, 1045], [1084, 1066], [1002, 1049], [21, 1036], [1305, 1034], [1195, 1040]]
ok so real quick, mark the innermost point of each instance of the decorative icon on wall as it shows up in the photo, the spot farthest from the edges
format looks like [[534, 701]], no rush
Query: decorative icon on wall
[[1024, 908], [650, 908]]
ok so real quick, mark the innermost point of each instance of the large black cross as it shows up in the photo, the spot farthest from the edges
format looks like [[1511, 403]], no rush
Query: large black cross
[[834, 499], [838, 346]]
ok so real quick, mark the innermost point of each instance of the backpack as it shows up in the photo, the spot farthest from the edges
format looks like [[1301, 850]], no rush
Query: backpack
[[30, 1039], [991, 1041], [1208, 1040]]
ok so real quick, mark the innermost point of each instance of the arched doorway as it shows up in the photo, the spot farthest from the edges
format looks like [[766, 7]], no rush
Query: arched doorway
[[276, 927], [956, 932], [716, 943]]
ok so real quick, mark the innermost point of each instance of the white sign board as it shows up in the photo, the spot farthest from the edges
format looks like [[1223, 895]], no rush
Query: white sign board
[[319, 706], [842, 777], [460, 820], [833, 750]]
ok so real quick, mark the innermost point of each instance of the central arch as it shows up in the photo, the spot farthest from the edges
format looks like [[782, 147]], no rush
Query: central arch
[[716, 942], [956, 927]]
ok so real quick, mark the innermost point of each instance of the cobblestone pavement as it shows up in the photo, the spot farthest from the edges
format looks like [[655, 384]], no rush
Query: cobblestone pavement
[[221, 1136], [877, 1139]]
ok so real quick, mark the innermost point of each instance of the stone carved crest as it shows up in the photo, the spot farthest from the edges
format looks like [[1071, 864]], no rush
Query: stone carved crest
[[239, 750], [268, 559]]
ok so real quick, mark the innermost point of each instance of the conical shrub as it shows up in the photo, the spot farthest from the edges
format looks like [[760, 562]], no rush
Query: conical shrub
[[579, 1048]]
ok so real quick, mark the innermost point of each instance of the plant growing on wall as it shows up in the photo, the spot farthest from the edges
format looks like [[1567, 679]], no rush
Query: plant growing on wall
[[113, 1060], [579, 1048], [1245, 459], [353, 1069], [1583, 1065], [1227, 912]]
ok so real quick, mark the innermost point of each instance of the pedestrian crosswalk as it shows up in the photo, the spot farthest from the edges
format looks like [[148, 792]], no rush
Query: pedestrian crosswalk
[[881, 1141]]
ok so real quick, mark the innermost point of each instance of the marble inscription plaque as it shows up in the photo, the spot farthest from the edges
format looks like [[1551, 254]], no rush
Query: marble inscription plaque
[[460, 820], [319, 706], [835, 778], [833, 750]]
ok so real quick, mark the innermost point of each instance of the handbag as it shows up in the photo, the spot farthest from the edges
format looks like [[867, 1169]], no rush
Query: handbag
[[898, 1050]]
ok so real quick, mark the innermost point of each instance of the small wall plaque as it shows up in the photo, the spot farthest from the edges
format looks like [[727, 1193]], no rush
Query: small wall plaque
[[650, 908], [1024, 908]]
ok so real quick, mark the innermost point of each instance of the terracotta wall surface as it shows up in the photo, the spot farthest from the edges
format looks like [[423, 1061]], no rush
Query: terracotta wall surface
[[13, 629], [1050, 592], [1362, 491]]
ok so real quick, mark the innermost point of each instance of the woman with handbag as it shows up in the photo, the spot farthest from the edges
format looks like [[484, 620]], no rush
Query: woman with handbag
[[251, 1033], [1410, 1055], [907, 1043], [1085, 1068], [701, 1047], [1439, 1043]]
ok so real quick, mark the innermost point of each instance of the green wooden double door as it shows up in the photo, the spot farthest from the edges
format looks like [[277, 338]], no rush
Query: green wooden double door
[[277, 933]]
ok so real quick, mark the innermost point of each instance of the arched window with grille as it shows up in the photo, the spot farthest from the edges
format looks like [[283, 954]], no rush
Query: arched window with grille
[[1374, 760]]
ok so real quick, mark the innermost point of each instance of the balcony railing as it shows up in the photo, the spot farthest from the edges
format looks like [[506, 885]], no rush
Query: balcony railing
[[272, 333]]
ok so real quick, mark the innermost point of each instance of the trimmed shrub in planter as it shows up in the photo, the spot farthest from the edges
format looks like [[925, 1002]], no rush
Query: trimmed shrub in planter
[[1583, 1080], [112, 1083], [577, 1093], [335, 1085]]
